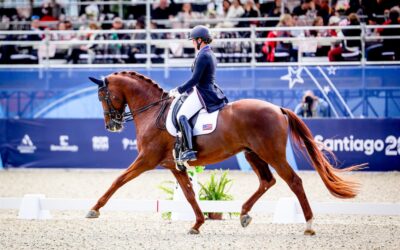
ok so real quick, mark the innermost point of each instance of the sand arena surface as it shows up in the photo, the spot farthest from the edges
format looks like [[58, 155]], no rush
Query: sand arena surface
[[131, 230]]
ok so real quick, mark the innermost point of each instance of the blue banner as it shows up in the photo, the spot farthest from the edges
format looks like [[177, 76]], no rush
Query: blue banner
[[369, 91], [84, 143]]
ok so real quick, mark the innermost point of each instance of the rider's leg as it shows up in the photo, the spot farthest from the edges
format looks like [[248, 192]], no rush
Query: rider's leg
[[189, 108]]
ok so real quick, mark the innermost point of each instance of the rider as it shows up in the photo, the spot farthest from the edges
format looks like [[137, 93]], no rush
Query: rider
[[201, 88]]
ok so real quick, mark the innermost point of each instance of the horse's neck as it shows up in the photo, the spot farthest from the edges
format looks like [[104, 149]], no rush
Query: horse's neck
[[139, 98]]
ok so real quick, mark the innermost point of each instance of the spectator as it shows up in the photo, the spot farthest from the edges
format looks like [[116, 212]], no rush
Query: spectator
[[311, 106], [322, 47], [182, 19], [87, 48], [163, 11], [235, 11], [333, 21], [226, 5], [250, 10], [35, 26], [371, 8], [324, 11], [117, 49], [274, 10], [306, 8], [47, 14], [318, 22], [270, 48], [392, 45], [137, 48], [347, 46], [63, 49]]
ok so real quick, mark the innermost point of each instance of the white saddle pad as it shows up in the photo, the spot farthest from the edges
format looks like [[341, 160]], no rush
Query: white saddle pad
[[205, 124]]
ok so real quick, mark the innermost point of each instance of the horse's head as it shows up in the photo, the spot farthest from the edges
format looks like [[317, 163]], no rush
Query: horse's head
[[113, 103]]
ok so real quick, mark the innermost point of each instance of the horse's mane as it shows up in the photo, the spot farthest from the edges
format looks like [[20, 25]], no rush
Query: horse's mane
[[138, 76]]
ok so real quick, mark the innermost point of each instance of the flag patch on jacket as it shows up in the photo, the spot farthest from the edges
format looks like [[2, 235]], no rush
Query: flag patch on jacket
[[207, 127]]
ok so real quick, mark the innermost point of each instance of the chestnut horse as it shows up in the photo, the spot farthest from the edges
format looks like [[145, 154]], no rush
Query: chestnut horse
[[257, 128]]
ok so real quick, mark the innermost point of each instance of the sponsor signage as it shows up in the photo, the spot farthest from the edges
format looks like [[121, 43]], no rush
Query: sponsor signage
[[100, 143], [64, 145], [129, 144], [26, 146], [50, 142]]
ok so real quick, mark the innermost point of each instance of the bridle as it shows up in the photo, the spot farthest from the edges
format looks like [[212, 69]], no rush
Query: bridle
[[120, 117], [114, 115]]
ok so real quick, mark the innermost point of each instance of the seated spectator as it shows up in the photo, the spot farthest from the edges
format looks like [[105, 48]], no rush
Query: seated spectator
[[182, 19], [318, 22], [250, 10], [333, 21], [324, 11], [235, 11], [117, 49], [311, 106], [35, 26], [322, 48], [47, 14], [163, 11], [88, 48], [271, 48], [306, 8], [350, 47], [371, 9], [62, 49], [138, 47], [274, 10], [392, 44]]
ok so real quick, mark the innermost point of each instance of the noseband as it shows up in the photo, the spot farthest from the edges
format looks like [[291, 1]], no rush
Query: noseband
[[113, 114]]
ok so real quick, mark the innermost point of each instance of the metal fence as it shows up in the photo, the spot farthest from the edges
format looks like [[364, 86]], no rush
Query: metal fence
[[167, 47]]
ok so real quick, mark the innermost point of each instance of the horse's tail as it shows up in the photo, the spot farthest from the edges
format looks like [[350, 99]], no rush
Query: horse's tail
[[303, 139]]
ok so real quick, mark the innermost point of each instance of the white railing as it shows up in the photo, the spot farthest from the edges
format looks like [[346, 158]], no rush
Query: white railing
[[50, 43], [285, 210]]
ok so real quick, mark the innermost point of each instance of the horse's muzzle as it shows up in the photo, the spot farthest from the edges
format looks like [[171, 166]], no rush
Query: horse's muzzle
[[113, 126]]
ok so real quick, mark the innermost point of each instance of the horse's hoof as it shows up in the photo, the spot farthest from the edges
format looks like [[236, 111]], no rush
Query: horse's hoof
[[309, 232], [245, 220], [194, 231], [93, 214]]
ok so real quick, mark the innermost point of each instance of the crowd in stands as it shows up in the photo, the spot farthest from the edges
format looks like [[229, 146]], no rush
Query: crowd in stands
[[168, 14]]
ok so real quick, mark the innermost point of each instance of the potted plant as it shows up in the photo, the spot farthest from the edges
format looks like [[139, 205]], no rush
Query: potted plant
[[216, 189], [168, 188]]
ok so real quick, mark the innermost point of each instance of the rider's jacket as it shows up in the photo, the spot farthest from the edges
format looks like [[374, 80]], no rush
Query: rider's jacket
[[203, 78]]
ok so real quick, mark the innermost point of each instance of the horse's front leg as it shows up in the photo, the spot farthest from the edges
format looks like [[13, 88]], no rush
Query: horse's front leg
[[187, 188], [139, 166]]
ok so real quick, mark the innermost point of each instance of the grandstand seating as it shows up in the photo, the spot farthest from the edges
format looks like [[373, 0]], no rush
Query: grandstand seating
[[234, 51]]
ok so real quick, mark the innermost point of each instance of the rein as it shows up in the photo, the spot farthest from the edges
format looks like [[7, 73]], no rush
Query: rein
[[121, 117], [128, 116]]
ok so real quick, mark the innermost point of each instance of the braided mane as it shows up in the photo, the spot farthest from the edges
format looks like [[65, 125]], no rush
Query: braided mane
[[134, 74]]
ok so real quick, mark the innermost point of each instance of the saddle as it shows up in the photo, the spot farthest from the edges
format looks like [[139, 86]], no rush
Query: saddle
[[202, 122]]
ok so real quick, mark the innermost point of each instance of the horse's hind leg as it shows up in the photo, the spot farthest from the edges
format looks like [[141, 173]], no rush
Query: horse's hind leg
[[266, 179], [295, 183]]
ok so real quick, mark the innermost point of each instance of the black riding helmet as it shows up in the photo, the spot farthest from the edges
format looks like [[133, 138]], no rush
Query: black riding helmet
[[201, 32]]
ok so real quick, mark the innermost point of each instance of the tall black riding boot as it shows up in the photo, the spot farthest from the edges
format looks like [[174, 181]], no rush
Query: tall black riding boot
[[188, 154]]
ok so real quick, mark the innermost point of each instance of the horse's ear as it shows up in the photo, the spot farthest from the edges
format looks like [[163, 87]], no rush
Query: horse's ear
[[97, 81]]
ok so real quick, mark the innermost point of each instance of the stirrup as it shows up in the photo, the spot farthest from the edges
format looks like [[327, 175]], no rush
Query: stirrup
[[188, 155]]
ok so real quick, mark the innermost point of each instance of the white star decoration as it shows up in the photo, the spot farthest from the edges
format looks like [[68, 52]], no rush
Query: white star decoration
[[332, 70], [293, 76], [327, 89]]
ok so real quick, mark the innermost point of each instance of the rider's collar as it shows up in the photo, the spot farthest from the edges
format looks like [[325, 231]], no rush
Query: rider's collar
[[204, 48]]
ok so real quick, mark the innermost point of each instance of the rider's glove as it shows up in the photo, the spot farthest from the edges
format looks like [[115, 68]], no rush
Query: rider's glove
[[173, 93]]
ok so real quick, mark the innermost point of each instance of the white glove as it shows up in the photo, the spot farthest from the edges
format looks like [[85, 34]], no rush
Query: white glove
[[173, 93]]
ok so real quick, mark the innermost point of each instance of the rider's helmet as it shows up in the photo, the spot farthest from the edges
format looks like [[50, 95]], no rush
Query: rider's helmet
[[202, 32]]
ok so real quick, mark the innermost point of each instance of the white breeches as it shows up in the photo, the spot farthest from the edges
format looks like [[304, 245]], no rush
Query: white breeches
[[191, 105]]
